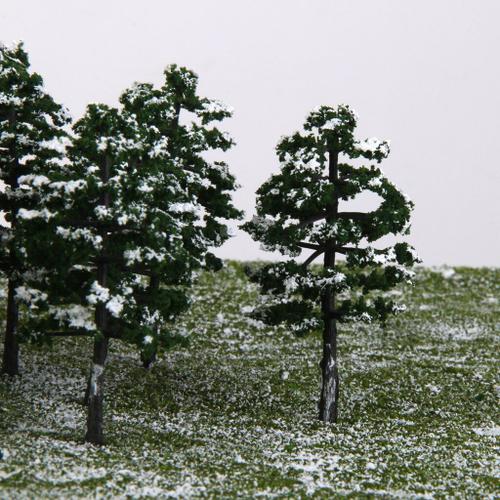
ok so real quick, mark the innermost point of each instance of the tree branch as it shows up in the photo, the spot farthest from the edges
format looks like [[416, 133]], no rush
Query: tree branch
[[313, 218], [305, 244], [101, 225], [321, 249], [359, 216], [313, 256], [345, 250], [120, 262]]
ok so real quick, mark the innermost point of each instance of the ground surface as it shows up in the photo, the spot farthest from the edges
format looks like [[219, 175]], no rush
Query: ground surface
[[234, 414]]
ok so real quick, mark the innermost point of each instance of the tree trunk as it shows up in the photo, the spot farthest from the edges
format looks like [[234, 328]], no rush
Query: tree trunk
[[95, 388], [328, 404], [148, 360], [10, 364], [94, 433], [86, 397]]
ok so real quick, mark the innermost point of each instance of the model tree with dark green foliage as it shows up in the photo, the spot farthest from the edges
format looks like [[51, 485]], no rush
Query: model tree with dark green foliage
[[31, 134], [300, 208], [180, 125], [133, 221]]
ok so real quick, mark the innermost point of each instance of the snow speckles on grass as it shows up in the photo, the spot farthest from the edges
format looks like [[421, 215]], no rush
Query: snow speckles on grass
[[234, 414]]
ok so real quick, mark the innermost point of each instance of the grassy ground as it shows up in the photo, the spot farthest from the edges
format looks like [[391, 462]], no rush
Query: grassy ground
[[234, 414]]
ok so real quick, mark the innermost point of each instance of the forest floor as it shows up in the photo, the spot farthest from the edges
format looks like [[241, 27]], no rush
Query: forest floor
[[234, 413]]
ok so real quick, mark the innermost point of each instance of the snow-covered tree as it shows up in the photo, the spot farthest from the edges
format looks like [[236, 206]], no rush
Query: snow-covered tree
[[31, 133], [179, 127], [133, 221], [300, 208]]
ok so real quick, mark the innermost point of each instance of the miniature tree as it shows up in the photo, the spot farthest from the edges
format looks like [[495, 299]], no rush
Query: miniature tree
[[31, 131], [299, 208], [133, 221], [185, 141]]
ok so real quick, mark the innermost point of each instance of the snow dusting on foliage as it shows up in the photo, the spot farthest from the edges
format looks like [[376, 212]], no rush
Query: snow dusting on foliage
[[134, 194], [298, 209], [32, 145]]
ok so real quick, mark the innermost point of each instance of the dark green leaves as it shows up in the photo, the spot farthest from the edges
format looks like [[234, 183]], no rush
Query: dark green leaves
[[294, 211]]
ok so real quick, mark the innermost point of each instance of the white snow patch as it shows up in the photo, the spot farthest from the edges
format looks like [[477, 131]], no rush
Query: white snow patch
[[97, 371], [488, 431]]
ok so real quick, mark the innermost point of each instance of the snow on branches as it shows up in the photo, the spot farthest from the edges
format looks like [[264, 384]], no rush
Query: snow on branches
[[298, 208], [139, 203], [32, 145], [109, 222]]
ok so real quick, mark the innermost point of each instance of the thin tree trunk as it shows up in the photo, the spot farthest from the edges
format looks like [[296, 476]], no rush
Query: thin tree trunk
[[85, 400], [328, 404], [94, 433], [10, 364], [95, 388], [148, 360]]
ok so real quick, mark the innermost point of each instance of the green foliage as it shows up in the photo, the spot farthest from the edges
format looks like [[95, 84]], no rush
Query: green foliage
[[297, 208], [137, 203], [32, 138]]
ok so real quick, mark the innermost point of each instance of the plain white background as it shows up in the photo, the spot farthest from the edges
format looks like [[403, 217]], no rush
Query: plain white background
[[425, 74]]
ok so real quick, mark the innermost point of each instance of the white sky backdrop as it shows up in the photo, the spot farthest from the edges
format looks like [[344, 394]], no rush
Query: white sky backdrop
[[423, 73]]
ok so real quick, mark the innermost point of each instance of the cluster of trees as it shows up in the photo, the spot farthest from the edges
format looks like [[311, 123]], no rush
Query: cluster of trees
[[111, 218]]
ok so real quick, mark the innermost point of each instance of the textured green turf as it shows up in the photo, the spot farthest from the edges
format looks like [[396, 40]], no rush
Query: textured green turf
[[234, 414]]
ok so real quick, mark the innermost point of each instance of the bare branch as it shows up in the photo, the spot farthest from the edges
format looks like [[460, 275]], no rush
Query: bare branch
[[339, 249], [312, 219], [345, 250], [313, 256], [359, 216], [305, 244]]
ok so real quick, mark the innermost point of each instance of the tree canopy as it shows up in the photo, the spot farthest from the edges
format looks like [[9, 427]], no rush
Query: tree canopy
[[129, 219], [297, 209], [141, 199], [32, 133]]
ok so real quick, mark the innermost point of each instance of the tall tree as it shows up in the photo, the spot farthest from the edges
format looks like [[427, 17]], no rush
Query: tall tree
[[300, 208], [134, 219], [31, 133], [180, 129]]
